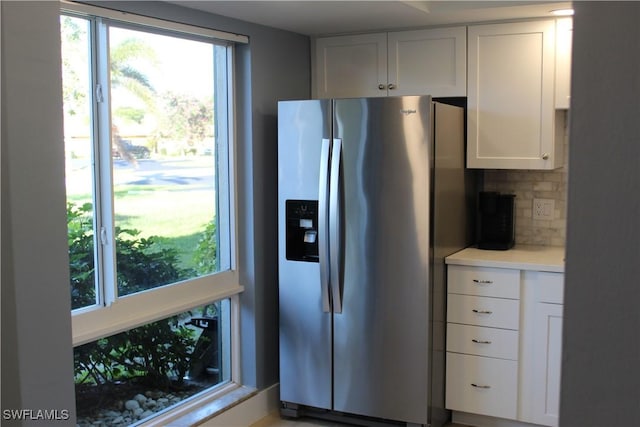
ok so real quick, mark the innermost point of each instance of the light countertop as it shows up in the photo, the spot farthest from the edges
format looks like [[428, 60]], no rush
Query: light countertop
[[521, 257]]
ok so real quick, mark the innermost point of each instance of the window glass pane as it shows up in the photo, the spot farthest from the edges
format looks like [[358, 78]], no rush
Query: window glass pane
[[134, 375], [164, 158], [78, 139]]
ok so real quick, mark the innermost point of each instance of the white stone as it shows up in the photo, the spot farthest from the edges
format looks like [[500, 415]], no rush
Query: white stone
[[131, 405], [140, 398], [146, 414]]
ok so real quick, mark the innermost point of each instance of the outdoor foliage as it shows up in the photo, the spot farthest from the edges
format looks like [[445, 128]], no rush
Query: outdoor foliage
[[157, 354], [141, 262], [206, 253], [187, 119], [81, 261]]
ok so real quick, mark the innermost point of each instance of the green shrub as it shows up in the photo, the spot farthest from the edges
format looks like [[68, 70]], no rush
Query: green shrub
[[157, 354], [206, 254], [81, 261]]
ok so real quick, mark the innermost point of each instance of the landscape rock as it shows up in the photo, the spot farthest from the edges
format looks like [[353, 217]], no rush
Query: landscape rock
[[140, 398], [131, 405]]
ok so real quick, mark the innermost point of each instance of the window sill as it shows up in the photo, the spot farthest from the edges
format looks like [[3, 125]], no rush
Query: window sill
[[202, 408]]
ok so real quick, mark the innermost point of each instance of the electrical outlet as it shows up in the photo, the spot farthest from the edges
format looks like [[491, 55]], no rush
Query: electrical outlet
[[543, 208]]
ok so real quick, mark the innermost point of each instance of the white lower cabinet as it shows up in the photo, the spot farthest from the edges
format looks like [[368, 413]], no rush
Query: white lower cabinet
[[488, 342], [503, 350], [483, 311], [483, 316], [482, 385], [541, 347], [546, 364]]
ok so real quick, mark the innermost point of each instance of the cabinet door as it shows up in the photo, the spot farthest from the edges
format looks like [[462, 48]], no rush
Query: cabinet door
[[564, 36], [428, 62], [547, 362], [511, 96], [351, 66]]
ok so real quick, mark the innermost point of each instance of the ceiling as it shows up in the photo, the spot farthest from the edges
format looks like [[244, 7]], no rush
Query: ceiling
[[313, 17]]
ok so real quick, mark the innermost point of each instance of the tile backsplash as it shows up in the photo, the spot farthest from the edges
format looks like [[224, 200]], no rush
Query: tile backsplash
[[528, 185]]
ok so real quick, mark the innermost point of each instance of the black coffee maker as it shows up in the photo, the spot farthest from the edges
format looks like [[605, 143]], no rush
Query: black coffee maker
[[496, 221]]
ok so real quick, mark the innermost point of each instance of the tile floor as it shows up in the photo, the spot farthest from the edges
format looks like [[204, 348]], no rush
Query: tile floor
[[274, 420]]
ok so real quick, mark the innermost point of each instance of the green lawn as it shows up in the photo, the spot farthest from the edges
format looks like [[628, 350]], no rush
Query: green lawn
[[177, 215]]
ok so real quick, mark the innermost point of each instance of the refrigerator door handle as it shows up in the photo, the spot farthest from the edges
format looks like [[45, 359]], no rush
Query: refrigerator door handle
[[323, 224], [335, 226]]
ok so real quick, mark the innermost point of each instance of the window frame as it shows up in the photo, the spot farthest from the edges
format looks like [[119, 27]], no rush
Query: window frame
[[112, 315]]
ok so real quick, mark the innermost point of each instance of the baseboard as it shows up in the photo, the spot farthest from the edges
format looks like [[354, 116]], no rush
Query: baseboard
[[249, 411], [476, 420]]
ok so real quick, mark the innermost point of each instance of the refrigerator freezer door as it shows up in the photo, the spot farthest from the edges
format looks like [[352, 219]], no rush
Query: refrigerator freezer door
[[381, 337], [305, 329]]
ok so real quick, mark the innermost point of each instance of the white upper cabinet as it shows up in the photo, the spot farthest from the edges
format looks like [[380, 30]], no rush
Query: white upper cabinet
[[428, 62], [351, 66], [422, 62], [511, 96], [564, 37]]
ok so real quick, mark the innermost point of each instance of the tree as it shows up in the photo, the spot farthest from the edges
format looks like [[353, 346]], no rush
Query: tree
[[124, 60], [75, 72], [124, 74], [188, 119]]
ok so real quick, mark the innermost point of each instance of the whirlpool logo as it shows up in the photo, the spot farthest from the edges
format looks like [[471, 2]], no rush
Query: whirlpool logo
[[408, 112]]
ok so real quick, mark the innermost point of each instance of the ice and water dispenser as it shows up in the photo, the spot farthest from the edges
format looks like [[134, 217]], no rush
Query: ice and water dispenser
[[302, 230]]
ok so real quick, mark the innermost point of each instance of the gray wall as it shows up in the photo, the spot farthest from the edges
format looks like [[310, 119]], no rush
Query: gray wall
[[601, 357], [37, 359], [36, 337]]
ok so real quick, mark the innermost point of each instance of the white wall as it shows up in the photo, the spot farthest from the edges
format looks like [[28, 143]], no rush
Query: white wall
[[601, 341]]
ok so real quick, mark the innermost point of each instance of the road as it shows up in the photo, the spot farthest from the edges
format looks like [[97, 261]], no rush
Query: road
[[193, 173]]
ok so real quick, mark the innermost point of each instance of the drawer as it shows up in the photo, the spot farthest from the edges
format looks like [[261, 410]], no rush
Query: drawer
[[482, 385], [483, 281], [483, 311], [481, 341]]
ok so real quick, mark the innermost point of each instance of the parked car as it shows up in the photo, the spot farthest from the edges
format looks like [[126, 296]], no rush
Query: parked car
[[137, 151]]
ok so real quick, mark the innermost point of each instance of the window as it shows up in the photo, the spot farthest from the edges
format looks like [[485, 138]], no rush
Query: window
[[150, 212]]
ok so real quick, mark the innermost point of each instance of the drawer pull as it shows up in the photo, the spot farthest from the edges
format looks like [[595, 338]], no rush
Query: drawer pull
[[483, 282], [482, 311], [480, 386], [480, 341]]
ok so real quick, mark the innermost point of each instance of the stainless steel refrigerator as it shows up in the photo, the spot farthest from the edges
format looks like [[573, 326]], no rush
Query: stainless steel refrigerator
[[373, 195]]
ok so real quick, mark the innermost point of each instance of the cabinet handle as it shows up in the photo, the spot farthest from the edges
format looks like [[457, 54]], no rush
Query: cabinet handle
[[483, 282], [545, 156], [381, 86], [480, 341], [480, 386], [482, 311], [391, 86]]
